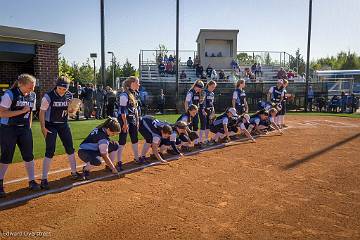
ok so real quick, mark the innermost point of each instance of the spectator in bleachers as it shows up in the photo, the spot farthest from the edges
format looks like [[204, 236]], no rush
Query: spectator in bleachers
[[282, 74], [196, 61], [199, 69], [209, 70], [253, 68], [171, 58], [189, 63], [214, 75], [203, 76], [169, 67], [183, 75], [161, 68], [159, 59], [258, 71], [290, 74], [221, 75]]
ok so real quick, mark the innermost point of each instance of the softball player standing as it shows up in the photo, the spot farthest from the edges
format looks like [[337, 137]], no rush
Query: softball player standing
[[16, 108], [207, 111], [54, 121], [129, 116], [276, 96], [193, 97], [239, 97]]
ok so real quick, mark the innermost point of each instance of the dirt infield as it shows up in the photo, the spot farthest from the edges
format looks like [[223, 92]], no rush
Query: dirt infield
[[302, 185]]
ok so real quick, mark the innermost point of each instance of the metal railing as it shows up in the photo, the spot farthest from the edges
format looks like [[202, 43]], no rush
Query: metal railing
[[272, 58]]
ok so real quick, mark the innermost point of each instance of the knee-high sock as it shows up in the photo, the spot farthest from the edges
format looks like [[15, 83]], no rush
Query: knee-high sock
[[112, 156], [72, 162], [119, 153], [3, 168], [196, 140], [277, 120], [135, 147], [201, 135], [216, 136], [207, 134], [282, 119], [30, 169], [46, 167], [145, 149]]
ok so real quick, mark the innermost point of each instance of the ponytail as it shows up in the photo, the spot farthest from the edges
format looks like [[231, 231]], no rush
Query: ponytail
[[110, 123], [127, 88]]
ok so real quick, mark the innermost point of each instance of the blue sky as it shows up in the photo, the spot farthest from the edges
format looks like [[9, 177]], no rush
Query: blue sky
[[143, 24]]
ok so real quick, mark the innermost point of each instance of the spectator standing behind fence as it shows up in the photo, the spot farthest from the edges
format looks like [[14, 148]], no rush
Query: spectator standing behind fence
[[214, 75], [282, 74], [258, 71], [290, 74], [87, 96], [189, 63], [161, 102], [209, 71], [354, 103], [343, 102], [161, 68], [100, 100], [110, 99], [310, 98]]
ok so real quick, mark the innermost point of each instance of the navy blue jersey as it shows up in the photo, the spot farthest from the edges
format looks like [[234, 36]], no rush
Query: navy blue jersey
[[209, 100], [276, 94], [128, 107], [57, 111], [186, 118], [221, 120], [18, 102], [95, 138], [153, 125], [241, 96], [194, 97], [255, 119]]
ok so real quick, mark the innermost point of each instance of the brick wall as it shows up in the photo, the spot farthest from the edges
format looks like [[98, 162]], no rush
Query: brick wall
[[46, 66], [9, 71]]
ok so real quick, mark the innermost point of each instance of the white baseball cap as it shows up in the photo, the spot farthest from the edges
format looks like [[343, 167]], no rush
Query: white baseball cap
[[233, 112]]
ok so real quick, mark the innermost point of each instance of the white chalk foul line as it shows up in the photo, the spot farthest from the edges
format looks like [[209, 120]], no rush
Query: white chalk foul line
[[76, 184]]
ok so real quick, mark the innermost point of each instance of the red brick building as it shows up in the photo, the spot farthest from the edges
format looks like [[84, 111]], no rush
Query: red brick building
[[29, 51]]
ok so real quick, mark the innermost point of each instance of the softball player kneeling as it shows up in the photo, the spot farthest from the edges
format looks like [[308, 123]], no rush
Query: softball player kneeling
[[254, 122], [220, 126], [98, 145], [242, 124], [153, 131], [16, 108], [270, 121], [54, 121]]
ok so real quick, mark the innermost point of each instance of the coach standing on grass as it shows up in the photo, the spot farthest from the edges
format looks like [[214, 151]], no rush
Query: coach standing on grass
[[16, 109]]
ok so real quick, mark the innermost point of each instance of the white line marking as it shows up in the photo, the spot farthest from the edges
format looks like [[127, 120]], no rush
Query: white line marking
[[76, 184]]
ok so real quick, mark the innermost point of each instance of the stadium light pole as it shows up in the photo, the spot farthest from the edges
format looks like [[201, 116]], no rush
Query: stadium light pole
[[113, 67], [93, 56], [308, 58], [177, 54], [102, 18]]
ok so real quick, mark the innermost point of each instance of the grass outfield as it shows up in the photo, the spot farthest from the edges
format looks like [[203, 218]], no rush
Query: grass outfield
[[80, 129]]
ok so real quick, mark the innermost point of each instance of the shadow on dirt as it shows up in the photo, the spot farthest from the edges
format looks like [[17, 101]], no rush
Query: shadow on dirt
[[309, 157]]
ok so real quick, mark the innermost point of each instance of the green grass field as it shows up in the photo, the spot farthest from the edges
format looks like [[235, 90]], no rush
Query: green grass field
[[80, 129]]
